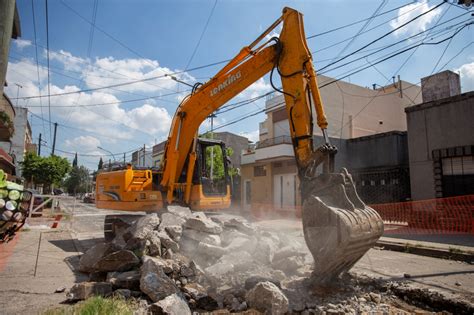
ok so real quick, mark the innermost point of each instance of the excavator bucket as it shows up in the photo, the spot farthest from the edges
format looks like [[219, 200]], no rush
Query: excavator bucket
[[339, 228]]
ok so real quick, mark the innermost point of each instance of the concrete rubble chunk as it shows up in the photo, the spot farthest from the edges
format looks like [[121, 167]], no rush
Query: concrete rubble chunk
[[183, 212], [289, 265], [142, 227], [84, 290], [167, 242], [154, 282], [287, 251], [268, 298], [211, 250], [170, 219], [153, 244], [200, 222], [175, 232], [251, 282], [171, 305], [220, 269], [121, 260], [125, 280], [229, 235], [199, 294], [203, 237], [94, 254], [238, 244], [241, 225], [166, 264], [266, 248]]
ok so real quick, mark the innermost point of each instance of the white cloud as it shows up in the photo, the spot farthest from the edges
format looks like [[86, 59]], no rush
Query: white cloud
[[86, 144], [251, 135], [22, 43], [69, 61], [467, 76], [409, 12]]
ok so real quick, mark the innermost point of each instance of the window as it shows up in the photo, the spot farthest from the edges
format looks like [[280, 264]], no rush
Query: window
[[372, 183], [363, 183], [382, 182], [259, 171], [395, 181]]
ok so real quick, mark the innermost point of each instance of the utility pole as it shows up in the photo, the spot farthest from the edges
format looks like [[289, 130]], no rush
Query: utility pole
[[144, 150], [39, 145], [124, 162], [54, 139]]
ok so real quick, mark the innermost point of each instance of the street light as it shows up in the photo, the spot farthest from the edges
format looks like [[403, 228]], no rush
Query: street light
[[18, 92], [107, 151]]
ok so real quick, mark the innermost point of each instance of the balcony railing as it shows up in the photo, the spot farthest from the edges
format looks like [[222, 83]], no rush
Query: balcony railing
[[274, 141]]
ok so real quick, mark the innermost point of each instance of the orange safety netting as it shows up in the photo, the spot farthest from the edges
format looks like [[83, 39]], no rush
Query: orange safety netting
[[442, 215]]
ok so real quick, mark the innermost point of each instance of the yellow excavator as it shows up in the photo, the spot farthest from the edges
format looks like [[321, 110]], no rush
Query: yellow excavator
[[338, 227]]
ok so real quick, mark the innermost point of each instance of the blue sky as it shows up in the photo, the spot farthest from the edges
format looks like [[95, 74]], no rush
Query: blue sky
[[150, 38]]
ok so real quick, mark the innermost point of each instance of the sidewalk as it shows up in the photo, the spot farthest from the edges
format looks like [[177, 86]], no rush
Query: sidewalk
[[32, 267]]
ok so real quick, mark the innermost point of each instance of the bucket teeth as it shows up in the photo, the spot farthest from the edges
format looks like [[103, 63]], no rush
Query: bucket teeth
[[338, 227]]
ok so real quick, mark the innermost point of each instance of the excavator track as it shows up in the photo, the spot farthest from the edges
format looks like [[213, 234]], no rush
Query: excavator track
[[339, 228]]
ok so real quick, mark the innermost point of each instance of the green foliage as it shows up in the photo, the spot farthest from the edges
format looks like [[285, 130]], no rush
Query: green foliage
[[101, 164], [78, 180], [97, 305], [218, 167], [44, 170], [6, 121]]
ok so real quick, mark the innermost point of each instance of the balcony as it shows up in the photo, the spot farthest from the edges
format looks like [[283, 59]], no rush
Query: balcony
[[279, 148], [7, 115]]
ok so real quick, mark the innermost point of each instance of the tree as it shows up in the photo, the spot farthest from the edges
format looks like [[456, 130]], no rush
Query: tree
[[101, 164], [74, 162], [44, 170], [78, 180]]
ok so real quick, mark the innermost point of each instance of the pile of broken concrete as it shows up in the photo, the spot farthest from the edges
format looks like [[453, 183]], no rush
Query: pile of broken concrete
[[180, 262]]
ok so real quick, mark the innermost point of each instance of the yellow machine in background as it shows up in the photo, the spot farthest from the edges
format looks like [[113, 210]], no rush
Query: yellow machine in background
[[338, 227], [131, 189]]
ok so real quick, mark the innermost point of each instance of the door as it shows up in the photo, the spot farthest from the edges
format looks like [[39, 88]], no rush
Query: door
[[284, 191], [247, 194]]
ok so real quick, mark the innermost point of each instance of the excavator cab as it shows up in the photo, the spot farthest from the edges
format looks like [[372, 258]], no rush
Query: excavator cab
[[210, 183]]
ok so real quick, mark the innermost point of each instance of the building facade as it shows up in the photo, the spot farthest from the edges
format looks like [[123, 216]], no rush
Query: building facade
[[441, 140], [142, 158], [355, 114], [21, 141]]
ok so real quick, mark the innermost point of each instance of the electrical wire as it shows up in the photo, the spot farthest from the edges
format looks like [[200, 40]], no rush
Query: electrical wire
[[357, 22], [383, 36], [49, 83], [37, 59]]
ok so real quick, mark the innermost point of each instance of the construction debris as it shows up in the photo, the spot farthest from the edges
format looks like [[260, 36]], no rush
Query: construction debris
[[183, 262]]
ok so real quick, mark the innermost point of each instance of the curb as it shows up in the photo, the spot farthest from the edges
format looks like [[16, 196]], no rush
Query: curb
[[426, 251]]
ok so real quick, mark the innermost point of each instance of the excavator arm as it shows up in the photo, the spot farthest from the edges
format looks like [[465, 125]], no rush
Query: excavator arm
[[290, 56]]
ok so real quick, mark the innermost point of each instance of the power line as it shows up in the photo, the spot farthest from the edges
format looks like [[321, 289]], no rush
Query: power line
[[49, 83], [357, 22], [383, 36], [401, 41], [398, 53], [202, 35], [336, 80], [37, 60]]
